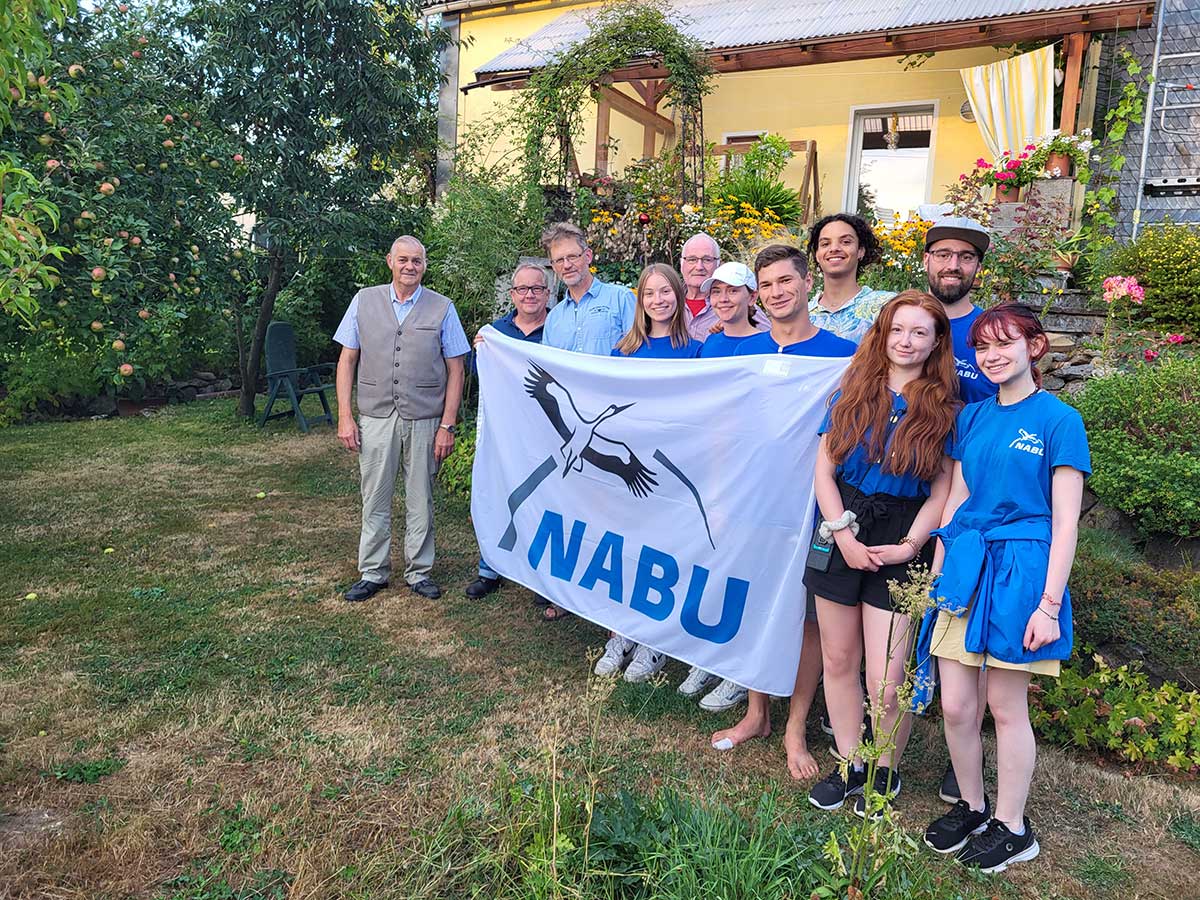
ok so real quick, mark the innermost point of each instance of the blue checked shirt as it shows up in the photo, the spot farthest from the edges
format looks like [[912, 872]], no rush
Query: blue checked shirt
[[454, 339]]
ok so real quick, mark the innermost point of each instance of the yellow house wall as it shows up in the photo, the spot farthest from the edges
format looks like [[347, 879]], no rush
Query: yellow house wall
[[801, 103]]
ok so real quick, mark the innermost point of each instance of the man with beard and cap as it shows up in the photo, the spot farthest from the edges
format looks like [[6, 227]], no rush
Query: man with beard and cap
[[954, 249]]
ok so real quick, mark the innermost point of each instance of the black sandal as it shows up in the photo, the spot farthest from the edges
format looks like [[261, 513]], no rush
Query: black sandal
[[552, 613]]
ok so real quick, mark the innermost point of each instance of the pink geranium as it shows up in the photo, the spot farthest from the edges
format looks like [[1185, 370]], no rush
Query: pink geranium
[[1150, 355], [1175, 338], [1030, 147], [1118, 286], [1012, 165]]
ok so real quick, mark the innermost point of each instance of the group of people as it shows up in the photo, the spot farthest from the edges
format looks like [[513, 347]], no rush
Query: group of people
[[938, 446]]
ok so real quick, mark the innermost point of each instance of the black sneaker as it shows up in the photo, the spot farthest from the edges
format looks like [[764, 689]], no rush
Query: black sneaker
[[887, 783], [952, 831], [832, 791], [481, 587], [997, 848]]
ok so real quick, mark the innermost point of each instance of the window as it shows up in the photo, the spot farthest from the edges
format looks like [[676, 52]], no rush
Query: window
[[890, 160], [734, 143]]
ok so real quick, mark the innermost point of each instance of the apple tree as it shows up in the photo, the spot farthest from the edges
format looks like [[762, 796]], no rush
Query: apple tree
[[116, 135]]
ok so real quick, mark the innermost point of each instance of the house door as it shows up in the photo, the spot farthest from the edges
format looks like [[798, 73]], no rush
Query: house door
[[890, 164]]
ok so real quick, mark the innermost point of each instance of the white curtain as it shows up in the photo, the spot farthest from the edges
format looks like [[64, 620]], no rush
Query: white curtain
[[1013, 100]]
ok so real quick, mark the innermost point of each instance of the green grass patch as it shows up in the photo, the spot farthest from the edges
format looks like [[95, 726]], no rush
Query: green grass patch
[[1102, 873], [1187, 828], [88, 771]]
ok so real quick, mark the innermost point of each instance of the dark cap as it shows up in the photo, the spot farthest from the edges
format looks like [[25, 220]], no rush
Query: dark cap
[[959, 228]]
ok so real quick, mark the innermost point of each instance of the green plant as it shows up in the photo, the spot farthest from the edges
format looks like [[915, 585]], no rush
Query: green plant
[[764, 195], [548, 114], [767, 157], [1142, 429], [1124, 606], [1163, 260], [1100, 201], [1014, 260], [1187, 828], [455, 470], [88, 771], [1120, 710]]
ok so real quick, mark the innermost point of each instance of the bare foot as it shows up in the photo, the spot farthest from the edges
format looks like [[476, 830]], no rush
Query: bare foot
[[800, 762], [749, 727]]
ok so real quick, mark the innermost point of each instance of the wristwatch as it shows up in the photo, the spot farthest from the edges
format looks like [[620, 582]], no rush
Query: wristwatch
[[449, 428]]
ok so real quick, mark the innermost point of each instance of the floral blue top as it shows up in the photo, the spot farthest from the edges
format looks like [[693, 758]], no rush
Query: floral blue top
[[852, 320]]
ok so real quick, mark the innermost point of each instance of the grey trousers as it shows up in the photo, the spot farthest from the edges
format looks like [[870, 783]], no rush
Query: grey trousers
[[390, 446]]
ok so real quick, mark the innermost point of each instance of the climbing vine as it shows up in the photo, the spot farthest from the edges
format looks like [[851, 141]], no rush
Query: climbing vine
[[549, 113]]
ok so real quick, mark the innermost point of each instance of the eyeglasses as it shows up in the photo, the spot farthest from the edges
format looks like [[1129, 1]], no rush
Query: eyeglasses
[[570, 258], [526, 290], [707, 260], [964, 256]]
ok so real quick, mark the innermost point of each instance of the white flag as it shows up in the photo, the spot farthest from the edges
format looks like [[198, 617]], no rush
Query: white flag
[[668, 500]]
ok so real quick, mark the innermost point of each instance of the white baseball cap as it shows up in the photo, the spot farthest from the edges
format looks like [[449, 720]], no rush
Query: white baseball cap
[[732, 273]]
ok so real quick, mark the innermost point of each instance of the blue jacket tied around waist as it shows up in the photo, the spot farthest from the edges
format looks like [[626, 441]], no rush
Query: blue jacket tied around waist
[[1004, 570]]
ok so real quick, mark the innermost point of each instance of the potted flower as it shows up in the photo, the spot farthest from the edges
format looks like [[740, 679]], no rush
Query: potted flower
[[1067, 252], [1057, 153], [1009, 174]]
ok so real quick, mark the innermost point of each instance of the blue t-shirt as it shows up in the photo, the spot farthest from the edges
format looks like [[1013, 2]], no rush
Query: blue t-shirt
[[660, 348], [721, 344], [857, 469], [1009, 454], [823, 343], [973, 385]]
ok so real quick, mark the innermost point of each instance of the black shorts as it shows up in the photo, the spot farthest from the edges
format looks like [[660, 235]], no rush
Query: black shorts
[[883, 519]]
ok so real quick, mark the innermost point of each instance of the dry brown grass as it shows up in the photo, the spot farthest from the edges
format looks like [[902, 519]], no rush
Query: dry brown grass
[[455, 692]]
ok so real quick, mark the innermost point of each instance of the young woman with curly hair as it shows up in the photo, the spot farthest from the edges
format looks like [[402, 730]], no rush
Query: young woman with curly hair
[[881, 480], [841, 246]]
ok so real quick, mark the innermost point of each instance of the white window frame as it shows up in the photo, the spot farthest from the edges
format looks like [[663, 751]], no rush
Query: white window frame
[[854, 146], [729, 137]]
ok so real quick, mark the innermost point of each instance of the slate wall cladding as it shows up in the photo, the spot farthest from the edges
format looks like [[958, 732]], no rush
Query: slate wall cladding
[[1169, 154]]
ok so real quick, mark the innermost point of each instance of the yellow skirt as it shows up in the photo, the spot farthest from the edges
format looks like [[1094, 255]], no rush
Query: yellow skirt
[[949, 638]]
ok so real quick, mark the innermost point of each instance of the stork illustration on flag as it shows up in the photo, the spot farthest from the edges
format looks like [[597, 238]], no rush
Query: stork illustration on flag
[[583, 442]]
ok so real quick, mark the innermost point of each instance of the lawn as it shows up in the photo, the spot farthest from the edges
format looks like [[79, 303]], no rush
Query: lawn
[[189, 710]]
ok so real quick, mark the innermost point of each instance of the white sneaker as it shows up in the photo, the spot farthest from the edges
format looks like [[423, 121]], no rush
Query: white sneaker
[[725, 695], [646, 663], [697, 681], [617, 653]]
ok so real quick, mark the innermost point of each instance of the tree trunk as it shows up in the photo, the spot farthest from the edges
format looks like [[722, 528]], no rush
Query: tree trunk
[[266, 309]]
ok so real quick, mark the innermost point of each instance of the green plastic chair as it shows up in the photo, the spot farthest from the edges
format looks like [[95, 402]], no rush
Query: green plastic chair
[[284, 379]]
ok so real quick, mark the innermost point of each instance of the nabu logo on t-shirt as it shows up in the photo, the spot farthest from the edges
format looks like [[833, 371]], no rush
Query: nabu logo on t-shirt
[[1029, 442], [965, 369]]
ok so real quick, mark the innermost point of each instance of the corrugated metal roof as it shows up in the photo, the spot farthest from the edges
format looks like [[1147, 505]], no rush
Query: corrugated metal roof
[[720, 24]]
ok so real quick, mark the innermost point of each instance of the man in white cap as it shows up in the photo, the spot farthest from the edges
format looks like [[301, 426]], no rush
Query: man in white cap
[[954, 249]]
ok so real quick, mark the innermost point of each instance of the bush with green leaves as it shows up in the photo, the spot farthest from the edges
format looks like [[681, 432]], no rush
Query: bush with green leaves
[[757, 179], [1122, 711], [1163, 259], [1144, 431], [1124, 606], [455, 470]]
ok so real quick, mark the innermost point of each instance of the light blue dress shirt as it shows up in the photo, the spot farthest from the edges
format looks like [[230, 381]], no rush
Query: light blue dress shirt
[[454, 339], [594, 323]]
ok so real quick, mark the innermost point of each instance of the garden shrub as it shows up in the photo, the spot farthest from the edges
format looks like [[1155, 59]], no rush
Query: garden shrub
[[1124, 606], [1144, 431], [1163, 259], [1120, 710], [455, 470]]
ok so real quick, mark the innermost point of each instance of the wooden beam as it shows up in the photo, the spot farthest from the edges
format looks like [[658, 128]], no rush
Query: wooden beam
[[741, 147], [639, 112], [603, 122], [1074, 45]]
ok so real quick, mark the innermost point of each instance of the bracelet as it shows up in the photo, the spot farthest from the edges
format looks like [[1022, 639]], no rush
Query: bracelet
[[1046, 614], [911, 541], [1046, 598]]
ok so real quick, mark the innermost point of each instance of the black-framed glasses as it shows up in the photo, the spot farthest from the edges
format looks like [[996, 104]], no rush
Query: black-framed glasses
[[526, 290], [970, 257]]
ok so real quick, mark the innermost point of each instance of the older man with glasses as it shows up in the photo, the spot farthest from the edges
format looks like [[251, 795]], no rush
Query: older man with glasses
[[525, 322], [593, 315], [697, 261]]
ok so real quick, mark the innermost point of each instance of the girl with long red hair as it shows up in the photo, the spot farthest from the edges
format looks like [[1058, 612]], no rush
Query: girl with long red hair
[[881, 480]]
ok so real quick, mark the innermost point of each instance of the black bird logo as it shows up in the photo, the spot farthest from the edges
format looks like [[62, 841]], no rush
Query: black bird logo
[[583, 442]]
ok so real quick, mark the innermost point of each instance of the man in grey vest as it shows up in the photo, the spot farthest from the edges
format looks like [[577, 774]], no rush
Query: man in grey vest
[[408, 347]]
